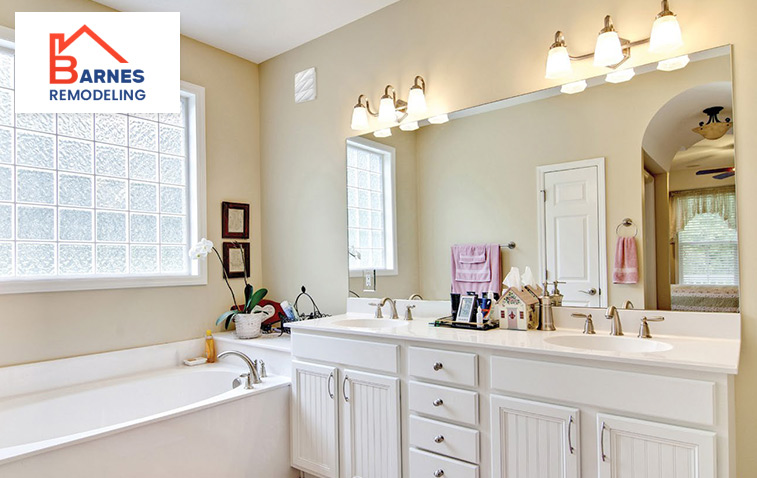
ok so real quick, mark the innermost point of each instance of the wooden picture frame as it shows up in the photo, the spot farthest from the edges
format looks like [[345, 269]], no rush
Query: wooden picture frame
[[232, 259], [235, 220]]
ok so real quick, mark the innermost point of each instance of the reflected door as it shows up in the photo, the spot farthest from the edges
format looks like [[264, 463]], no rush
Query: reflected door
[[573, 237]]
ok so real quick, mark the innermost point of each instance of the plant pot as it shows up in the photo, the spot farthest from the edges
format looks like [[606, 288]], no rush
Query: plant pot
[[248, 325]]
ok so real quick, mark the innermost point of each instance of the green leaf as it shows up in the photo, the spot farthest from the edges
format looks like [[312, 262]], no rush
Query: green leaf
[[247, 293], [255, 299], [227, 316]]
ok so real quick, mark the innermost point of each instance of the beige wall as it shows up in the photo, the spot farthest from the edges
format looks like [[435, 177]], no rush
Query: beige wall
[[46, 326], [470, 53]]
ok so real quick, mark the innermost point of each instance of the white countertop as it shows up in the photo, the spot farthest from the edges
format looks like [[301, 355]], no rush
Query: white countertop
[[704, 354]]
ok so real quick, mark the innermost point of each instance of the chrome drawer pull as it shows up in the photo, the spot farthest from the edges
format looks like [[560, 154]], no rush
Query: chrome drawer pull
[[439, 473], [438, 402], [602, 441], [570, 440], [328, 385], [438, 366], [438, 439]]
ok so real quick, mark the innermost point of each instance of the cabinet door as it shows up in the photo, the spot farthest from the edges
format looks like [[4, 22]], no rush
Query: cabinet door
[[370, 425], [533, 439], [314, 419], [631, 448]]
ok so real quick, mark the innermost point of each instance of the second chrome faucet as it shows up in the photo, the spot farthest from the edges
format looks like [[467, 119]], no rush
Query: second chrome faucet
[[616, 328]]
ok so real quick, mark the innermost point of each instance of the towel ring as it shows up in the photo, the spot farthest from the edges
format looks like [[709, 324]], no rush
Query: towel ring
[[627, 222]]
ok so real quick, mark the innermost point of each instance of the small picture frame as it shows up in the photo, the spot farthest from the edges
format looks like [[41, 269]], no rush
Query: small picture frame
[[236, 261], [235, 218], [466, 311]]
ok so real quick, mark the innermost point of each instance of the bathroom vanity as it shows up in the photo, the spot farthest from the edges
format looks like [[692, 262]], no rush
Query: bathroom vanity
[[393, 398]]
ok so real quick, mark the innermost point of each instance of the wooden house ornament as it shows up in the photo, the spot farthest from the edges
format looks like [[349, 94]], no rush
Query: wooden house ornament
[[517, 310]]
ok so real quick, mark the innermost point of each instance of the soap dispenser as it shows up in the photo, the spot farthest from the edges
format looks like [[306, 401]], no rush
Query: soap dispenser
[[547, 321], [556, 294]]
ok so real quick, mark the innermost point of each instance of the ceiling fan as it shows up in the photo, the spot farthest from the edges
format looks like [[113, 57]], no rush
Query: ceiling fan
[[719, 173]]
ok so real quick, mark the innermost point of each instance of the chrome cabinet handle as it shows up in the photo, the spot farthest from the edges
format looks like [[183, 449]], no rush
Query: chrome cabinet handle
[[329, 385], [344, 391], [591, 291], [438, 366], [438, 473], [438, 438], [570, 439], [602, 442], [438, 402]]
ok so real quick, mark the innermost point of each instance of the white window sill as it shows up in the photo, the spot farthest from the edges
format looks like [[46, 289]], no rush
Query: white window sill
[[21, 286], [379, 272]]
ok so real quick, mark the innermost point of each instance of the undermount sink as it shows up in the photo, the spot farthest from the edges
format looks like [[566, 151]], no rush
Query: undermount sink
[[370, 323], [608, 343]]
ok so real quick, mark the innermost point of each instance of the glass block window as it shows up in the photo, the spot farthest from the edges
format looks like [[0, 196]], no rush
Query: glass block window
[[370, 206], [91, 195]]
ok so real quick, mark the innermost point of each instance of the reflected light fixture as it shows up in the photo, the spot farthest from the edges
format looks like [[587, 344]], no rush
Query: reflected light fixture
[[409, 126], [666, 32], [391, 110], [558, 59], [672, 64], [382, 133], [573, 88], [620, 76], [608, 51], [714, 128], [439, 119]]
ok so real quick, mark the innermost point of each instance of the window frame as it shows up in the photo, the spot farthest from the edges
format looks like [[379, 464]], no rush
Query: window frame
[[196, 215], [390, 203], [680, 262]]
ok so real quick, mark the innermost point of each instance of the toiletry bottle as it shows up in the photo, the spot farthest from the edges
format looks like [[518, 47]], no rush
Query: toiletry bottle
[[557, 295], [210, 347]]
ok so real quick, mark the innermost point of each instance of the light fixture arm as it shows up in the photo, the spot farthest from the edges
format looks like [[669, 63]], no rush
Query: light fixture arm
[[363, 99], [420, 83], [665, 9]]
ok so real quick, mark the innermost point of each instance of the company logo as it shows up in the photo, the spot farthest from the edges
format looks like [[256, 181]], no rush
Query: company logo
[[77, 62]]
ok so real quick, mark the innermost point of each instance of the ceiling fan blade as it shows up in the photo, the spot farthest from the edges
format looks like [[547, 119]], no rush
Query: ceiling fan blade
[[724, 175], [713, 171]]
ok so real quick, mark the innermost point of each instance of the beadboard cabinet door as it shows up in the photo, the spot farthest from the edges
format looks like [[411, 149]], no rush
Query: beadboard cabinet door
[[370, 425], [315, 439], [533, 439], [629, 448]]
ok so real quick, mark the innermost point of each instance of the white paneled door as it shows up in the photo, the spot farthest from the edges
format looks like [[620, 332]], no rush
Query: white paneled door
[[370, 426], [629, 448], [534, 440], [314, 419], [573, 236]]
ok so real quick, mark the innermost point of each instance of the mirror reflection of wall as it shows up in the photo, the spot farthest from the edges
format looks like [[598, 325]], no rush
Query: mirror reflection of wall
[[475, 180]]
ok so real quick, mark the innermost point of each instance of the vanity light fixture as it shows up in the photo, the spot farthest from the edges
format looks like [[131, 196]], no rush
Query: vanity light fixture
[[672, 64], [383, 133], [439, 119], [573, 88], [620, 76], [611, 50], [391, 109], [409, 126]]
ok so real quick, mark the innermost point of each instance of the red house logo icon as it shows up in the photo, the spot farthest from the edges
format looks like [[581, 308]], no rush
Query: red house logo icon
[[66, 73]]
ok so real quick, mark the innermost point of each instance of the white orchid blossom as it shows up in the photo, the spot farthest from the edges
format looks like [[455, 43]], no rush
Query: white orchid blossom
[[201, 249]]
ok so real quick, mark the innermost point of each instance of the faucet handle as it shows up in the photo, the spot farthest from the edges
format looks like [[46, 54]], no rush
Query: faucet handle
[[378, 314], [409, 313], [588, 325], [644, 326]]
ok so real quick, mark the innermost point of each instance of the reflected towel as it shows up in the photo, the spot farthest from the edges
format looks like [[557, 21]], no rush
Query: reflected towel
[[626, 270], [475, 268]]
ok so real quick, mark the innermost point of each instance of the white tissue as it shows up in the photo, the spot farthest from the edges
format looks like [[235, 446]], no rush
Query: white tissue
[[527, 279], [513, 278]]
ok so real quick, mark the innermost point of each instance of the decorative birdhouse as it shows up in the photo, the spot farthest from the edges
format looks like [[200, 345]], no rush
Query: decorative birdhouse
[[517, 310]]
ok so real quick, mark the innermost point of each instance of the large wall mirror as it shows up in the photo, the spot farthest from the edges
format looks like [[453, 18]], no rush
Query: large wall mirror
[[579, 187]]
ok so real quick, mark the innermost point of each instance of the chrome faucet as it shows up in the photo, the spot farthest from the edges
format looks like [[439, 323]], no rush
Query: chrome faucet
[[383, 302], [252, 376], [415, 297], [628, 304], [616, 328]]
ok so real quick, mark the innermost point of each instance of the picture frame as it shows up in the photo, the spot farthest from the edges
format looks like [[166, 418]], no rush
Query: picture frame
[[236, 261], [235, 220], [466, 311]]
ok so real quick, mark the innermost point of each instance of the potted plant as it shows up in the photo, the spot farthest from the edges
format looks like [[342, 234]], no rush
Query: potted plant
[[246, 317]]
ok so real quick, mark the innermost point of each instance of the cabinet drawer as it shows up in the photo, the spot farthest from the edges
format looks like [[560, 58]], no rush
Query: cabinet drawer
[[443, 366], [451, 440], [428, 465], [356, 353], [444, 402]]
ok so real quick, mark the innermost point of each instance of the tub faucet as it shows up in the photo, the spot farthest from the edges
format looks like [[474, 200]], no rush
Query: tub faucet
[[252, 376], [616, 328]]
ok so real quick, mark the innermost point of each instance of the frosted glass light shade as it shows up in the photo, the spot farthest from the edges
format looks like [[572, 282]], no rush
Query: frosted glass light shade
[[387, 113], [573, 88], [416, 101], [620, 76], [439, 119], [383, 133], [608, 50], [410, 126], [666, 35], [558, 63], [359, 118], [673, 64]]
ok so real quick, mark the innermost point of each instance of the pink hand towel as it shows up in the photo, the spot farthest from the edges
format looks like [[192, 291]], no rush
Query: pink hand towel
[[476, 268], [626, 270]]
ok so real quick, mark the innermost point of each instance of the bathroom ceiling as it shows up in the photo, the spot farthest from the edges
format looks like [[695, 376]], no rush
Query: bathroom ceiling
[[256, 29]]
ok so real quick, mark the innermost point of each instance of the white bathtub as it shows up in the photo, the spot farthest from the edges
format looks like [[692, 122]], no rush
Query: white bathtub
[[138, 413]]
